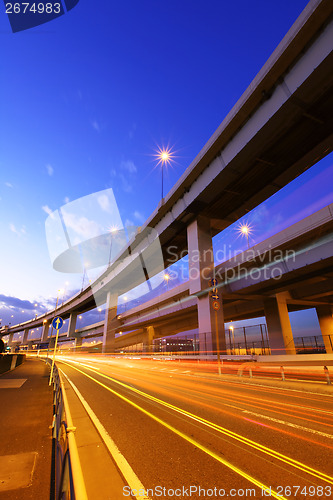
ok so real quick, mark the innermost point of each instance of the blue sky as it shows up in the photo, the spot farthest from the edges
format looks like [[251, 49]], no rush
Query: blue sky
[[87, 98]]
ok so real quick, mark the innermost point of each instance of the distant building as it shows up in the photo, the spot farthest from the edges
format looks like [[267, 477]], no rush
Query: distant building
[[173, 345]]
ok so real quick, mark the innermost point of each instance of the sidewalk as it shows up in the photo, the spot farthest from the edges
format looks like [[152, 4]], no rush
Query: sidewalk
[[26, 403]]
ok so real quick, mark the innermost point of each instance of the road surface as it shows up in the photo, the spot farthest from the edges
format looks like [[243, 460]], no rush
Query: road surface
[[188, 435]]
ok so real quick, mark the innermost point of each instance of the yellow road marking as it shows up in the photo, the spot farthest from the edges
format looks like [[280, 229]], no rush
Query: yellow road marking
[[227, 432], [124, 467], [184, 436]]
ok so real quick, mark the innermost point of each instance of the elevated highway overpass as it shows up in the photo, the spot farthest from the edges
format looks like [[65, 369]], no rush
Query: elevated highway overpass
[[292, 270], [281, 126]]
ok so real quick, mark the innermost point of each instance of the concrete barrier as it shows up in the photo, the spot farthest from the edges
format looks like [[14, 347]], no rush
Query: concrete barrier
[[296, 360], [10, 361]]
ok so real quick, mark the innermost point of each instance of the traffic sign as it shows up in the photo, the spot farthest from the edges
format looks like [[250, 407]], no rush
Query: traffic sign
[[213, 282], [215, 296], [57, 322], [216, 305]]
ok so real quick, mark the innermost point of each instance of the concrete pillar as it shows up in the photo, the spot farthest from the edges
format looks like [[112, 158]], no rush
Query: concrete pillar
[[10, 340], [280, 334], [25, 336], [72, 325], [148, 337], [109, 327], [325, 318], [201, 270], [45, 332], [78, 343], [30, 343]]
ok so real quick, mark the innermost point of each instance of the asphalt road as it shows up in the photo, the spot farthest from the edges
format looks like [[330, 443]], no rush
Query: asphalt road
[[180, 431]]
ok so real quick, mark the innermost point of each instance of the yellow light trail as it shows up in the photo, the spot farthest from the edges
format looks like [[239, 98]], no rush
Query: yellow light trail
[[267, 404], [279, 456], [181, 434]]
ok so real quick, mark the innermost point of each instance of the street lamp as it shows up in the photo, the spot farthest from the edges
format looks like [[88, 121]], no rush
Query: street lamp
[[166, 278], [164, 156], [245, 230], [113, 230]]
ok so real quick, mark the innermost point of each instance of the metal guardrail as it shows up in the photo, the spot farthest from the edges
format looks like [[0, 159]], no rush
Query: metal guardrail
[[67, 482], [281, 366]]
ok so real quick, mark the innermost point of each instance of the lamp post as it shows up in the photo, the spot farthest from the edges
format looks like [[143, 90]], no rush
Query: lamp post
[[113, 230], [60, 292], [166, 278], [231, 328], [245, 230], [164, 156]]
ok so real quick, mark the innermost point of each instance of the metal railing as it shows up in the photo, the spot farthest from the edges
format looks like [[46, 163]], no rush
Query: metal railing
[[313, 344], [67, 482]]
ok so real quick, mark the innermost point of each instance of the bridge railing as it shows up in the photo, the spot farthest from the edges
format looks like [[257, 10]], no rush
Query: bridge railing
[[67, 482]]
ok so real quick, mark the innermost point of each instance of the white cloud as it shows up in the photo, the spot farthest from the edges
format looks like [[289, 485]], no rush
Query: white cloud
[[104, 203], [139, 216], [47, 209], [66, 199], [49, 169], [96, 126], [132, 131], [16, 231], [126, 174], [129, 166], [8, 184], [13, 229], [128, 223], [81, 226], [127, 187]]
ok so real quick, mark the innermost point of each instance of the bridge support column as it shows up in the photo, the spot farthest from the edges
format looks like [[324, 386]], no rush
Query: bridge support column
[[25, 336], [109, 327], [72, 325], [201, 270], [148, 337], [30, 343], [325, 318], [45, 332], [10, 341], [280, 334], [78, 342]]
